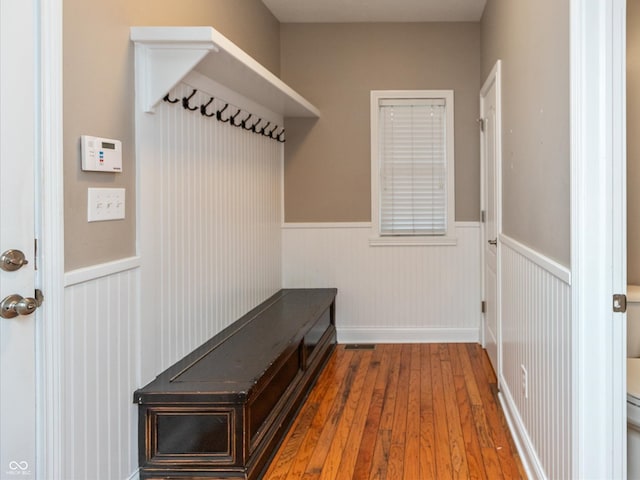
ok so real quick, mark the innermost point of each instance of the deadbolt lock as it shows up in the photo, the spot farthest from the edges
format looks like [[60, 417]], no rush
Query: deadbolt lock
[[12, 260]]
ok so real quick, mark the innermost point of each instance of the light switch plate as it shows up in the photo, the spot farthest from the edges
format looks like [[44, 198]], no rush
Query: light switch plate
[[105, 204]]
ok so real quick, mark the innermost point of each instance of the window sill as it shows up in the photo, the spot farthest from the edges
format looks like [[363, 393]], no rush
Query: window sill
[[410, 241]]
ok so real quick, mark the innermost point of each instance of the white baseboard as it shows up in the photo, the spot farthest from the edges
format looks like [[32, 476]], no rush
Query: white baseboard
[[528, 456], [408, 335]]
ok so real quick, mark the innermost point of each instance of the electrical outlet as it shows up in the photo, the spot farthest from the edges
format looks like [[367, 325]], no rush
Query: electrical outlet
[[105, 204], [525, 382]]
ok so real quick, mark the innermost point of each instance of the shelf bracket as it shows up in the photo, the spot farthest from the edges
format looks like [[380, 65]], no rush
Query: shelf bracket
[[160, 67]]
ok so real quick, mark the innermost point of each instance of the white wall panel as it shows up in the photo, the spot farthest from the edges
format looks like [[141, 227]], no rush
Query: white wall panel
[[101, 371], [536, 334], [210, 216], [389, 293]]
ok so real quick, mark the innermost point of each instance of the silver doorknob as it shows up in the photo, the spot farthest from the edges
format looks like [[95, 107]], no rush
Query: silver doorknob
[[15, 305], [493, 242], [12, 260]]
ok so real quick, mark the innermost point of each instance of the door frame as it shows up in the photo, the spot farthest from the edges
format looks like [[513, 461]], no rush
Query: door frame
[[50, 219], [494, 77], [598, 237]]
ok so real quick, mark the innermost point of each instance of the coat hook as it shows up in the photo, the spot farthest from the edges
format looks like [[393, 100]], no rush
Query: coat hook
[[243, 124], [253, 127], [281, 140], [233, 119], [270, 134], [264, 128], [170, 100], [219, 114], [185, 101], [203, 109]]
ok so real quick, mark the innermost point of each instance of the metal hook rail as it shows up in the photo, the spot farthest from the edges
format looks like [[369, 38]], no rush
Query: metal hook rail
[[230, 119]]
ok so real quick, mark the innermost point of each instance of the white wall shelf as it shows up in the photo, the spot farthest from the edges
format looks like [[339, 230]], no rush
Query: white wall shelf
[[165, 55]]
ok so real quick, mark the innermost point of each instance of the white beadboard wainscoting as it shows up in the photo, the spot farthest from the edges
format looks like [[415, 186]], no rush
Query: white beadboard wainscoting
[[536, 335], [210, 217], [101, 369], [392, 294], [389, 293]]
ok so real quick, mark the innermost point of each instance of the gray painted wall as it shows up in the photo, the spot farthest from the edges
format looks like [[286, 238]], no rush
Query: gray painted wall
[[335, 66], [327, 175], [532, 40], [98, 98]]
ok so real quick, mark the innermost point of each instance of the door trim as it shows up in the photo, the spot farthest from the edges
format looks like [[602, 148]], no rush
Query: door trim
[[495, 76], [50, 224], [598, 237]]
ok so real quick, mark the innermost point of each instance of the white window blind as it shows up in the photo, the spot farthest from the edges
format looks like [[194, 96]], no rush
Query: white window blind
[[412, 166]]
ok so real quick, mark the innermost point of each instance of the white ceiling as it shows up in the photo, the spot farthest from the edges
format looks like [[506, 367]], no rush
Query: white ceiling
[[340, 11]]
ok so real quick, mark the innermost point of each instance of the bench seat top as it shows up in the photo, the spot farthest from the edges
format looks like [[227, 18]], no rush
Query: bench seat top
[[233, 361]]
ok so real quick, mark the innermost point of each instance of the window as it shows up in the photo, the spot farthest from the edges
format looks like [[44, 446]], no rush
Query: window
[[412, 167]]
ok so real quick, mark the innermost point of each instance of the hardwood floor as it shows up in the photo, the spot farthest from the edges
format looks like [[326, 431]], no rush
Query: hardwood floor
[[412, 412]]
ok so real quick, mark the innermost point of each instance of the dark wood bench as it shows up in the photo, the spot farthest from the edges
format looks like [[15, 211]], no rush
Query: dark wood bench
[[221, 411]]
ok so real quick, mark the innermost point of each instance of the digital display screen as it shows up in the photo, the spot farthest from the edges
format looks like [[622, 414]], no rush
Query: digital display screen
[[110, 146]]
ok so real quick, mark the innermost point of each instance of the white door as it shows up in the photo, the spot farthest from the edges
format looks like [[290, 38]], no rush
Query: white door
[[18, 140], [490, 160]]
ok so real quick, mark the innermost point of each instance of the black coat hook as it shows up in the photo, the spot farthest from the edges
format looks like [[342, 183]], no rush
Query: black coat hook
[[203, 109], [262, 130], [278, 137], [253, 127], [243, 124], [219, 114], [170, 100], [233, 119], [185, 101], [270, 134]]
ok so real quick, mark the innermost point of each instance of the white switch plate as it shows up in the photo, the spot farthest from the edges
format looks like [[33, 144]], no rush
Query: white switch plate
[[105, 204]]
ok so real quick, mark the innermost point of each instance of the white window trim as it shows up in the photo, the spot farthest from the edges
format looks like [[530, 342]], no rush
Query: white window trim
[[382, 240]]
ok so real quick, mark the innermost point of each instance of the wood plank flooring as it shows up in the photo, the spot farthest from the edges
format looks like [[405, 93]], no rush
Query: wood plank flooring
[[400, 412]]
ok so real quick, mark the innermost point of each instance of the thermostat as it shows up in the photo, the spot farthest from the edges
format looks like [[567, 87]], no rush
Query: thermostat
[[101, 154]]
